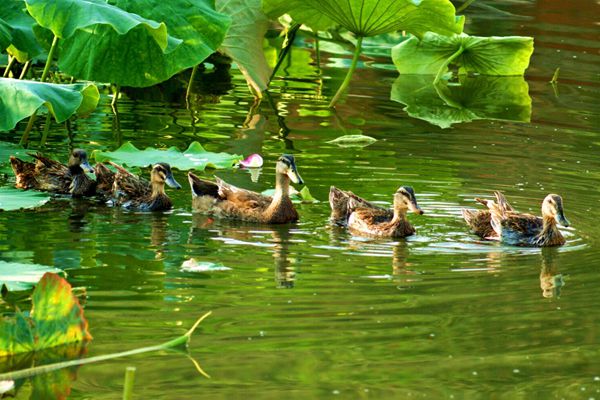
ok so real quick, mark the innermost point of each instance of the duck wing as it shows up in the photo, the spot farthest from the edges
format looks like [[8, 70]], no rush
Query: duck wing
[[24, 172], [343, 203], [241, 197], [519, 229], [51, 175], [127, 185], [480, 222]]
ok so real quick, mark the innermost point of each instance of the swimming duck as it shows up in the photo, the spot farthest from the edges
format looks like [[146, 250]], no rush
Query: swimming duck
[[364, 217], [480, 221], [105, 179], [132, 192], [227, 201], [528, 230], [52, 176]]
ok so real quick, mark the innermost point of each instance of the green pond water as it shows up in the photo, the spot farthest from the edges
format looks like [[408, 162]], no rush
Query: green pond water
[[310, 311]]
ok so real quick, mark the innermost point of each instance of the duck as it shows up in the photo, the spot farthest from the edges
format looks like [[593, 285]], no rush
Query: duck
[[223, 200], [528, 230], [480, 221], [50, 175], [366, 218], [132, 192], [105, 179]]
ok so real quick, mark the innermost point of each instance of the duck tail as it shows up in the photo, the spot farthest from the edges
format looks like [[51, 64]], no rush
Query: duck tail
[[202, 187]]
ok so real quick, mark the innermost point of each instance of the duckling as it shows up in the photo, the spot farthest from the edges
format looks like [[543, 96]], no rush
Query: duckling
[[51, 176], [480, 221], [132, 192], [365, 218], [526, 229], [227, 201]]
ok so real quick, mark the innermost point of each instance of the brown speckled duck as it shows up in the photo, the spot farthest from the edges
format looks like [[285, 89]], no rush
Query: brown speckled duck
[[52, 176], [132, 192], [480, 221], [223, 200], [366, 218], [528, 230]]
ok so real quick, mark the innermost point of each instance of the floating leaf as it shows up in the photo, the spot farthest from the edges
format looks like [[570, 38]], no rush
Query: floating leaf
[[195, 157], [24, 45], [56, 319], [136, 59], [374, 17], [15, 199], [302, 196], [353, 141], [244, 41], [479, 97], [19, 276], [484, 55], [19, 99], [192, 265]]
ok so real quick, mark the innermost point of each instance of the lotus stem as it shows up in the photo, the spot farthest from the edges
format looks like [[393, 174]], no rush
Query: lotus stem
[[464, 5], [555, 76], [11, 61], [43, 369], [128, 385], [29, 127], [189, 87], [317, 52], [25, 69], [346, 81], [46, 130], [443, 68], [285, 48], [116, 93]]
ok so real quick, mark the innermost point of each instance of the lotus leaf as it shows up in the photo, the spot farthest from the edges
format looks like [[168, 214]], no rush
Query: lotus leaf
[[484, 55], [5, 35], [14, 199], [101, 54], [19, 99], [56, 319], [195, 157], [19, 276], [244, 41], [374, 17], [24, 45], [299, 10], [353, 141], [480, 97]]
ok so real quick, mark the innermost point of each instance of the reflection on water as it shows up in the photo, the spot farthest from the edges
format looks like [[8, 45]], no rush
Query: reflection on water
[[439, 314]]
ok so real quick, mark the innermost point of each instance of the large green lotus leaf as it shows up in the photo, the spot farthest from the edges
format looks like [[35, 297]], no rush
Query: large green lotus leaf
[[57, 314], [374, 17], [299, 11], [24, 45], [5, 35], [19, 99], [102, 55], [195, 157], [479, 97], [244, 41], [19, 276], [15, 199], [16, 335], [484, 55]]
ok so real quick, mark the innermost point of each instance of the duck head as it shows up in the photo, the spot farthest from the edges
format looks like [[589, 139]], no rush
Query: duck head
[[404, 198], [161, 174], [552, 207], [79, 158], [286, 165]]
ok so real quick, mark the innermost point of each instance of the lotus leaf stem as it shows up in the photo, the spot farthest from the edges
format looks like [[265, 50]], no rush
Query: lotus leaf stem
[[443, 68], [43, 369], [25, 69], [189, 87], [285, 48], [116, 93], [555, 76], [464, 5], [11, 61], [128, 385], [346, 81]]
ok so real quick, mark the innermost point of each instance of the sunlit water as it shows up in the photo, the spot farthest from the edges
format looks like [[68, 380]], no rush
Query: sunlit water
[[308, 310]]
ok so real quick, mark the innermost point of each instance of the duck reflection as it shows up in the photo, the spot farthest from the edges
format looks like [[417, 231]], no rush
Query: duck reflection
[[159, 234], [285, 273], [551, 281]]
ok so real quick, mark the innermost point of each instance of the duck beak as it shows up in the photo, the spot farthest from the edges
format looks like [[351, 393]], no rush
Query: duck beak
[[561, 219], [294, 175], [414, 207], [169, 180], [86, 166]]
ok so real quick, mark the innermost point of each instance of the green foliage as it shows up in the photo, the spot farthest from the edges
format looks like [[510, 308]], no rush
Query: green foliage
[[484, 55], [244, 41], [5, 35], [374, 17], [19, 99], [56, 319], [24, 45], [299, 10], [14, 199], [479, 97], [19, 276], [195, 157], [353, 141]]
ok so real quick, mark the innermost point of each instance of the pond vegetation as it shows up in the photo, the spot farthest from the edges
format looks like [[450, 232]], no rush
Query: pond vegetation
[[374, 97]]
